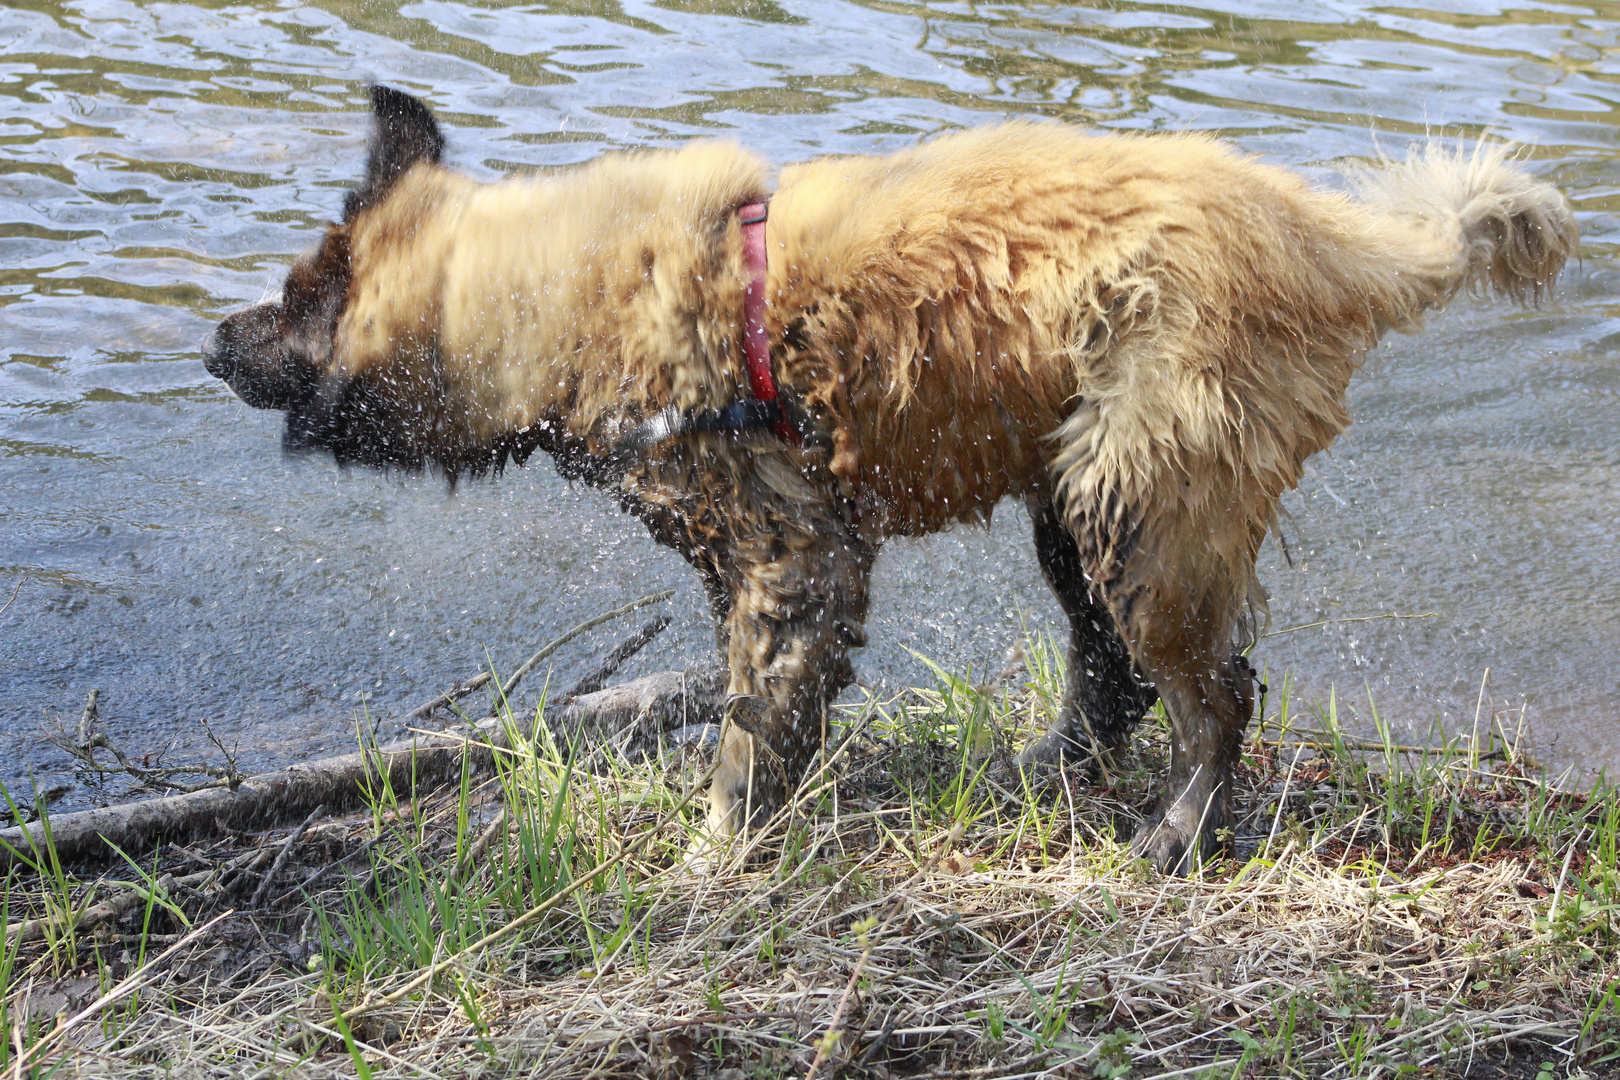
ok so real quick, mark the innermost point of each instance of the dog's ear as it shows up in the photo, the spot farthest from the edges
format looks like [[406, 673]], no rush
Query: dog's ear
[[405, 134]]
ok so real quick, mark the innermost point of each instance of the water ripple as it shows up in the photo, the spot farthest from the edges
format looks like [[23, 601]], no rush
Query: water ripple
[[161, 163]]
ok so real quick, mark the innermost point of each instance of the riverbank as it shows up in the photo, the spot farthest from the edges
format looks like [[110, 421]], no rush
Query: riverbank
[[923, 911]]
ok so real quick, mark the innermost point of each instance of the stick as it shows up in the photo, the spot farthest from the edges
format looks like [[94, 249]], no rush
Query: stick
[[269, 798], [1336, 622], [1473, 742], [476, 853], [422, 762], [629, 717], [1363, 744], [482, 678], [627, 648], [132, 895], [87, 719], [823, 1049], [558, 642], [455, 694], [281, 856], [329, 867], [92, 736], [14, 593], [106, 911]]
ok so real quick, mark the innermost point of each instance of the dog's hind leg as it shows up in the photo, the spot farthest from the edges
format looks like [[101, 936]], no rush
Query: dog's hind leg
[[1103, 697], [1209, 706], [1177, 602], [1168, 537]]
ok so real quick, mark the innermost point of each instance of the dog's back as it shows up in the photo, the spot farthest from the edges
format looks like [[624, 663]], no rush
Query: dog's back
[[1175, 307]]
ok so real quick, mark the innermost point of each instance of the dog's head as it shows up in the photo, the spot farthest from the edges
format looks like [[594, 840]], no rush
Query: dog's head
[[277, 354], [459, 325]]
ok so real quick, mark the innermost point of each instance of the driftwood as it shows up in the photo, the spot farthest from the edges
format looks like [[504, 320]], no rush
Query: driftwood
[[630, 717], [125, 899]]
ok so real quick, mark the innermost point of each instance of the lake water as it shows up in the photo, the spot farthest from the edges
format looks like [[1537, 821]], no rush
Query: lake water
[[161, 163]]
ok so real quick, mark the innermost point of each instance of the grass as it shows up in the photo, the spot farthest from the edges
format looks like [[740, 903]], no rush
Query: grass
[[923, 910]]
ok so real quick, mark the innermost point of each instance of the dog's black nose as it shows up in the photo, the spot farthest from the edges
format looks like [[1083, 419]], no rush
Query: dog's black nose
[[215, 357]]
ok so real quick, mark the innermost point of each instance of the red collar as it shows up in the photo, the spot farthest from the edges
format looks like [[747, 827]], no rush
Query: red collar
[[764, 409], [756, 341]]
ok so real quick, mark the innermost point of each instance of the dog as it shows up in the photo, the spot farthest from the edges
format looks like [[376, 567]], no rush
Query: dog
[[1142, 336]]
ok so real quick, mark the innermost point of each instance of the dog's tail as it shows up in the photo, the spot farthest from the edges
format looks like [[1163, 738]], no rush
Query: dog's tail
[[1456, 219]]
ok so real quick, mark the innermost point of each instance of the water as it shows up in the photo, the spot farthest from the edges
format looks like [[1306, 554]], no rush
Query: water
[[161, 163]]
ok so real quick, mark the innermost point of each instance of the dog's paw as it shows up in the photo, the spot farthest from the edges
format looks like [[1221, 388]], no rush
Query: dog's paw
[[706, 855], [1180, 838], [1056, 749], [700, 860], [750, 713], [1167, 848]]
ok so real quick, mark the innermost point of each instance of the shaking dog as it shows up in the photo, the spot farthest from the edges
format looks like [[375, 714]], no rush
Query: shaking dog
[[1143, 337]]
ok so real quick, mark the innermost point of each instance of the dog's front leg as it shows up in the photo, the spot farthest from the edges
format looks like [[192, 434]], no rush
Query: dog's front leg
[[799, 594], [784, 673]]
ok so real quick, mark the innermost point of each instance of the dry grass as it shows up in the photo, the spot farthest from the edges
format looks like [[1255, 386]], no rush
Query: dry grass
[[921, 912]]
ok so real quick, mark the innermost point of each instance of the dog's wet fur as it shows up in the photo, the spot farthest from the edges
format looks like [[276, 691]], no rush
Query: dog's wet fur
[[1143, 337]]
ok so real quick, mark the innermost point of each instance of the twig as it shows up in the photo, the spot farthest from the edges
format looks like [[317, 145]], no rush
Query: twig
[[449, 696], [281, 856], [1356, 744], [1357, 618], [92, 737], [1473, 742], [1283, 800], [329, 867], [14, 593], [476, 852], [627, 648], [88, 718], [1396, 748], [562, 639], [824, 1047], [463, 689]]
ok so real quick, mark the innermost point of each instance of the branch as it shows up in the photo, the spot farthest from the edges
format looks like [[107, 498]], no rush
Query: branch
[[449, 697], [281, 856], [14, 593], [92, 736], [562, 639], [627, 648]]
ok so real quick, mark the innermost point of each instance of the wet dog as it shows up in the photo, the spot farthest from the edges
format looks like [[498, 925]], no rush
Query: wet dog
[[1143, 337]]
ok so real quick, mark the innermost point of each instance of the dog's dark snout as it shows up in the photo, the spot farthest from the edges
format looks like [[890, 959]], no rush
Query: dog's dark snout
[[215, 356], [246, 351]]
